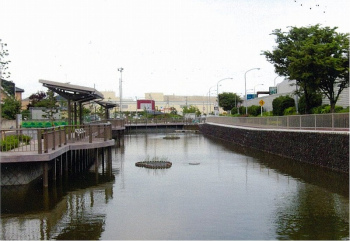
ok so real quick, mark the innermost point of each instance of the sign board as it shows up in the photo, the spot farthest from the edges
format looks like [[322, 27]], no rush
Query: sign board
[[146, 104], [261, 102], [272, 90], [250, 96]]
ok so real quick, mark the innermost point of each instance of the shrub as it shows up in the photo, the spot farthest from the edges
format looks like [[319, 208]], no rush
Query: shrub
[[13, 141], [254, 110], [267, 113], [234, 110], [290, 111], [324, 109], [316, 100], [10, 142], [281, 103], [344, 110]]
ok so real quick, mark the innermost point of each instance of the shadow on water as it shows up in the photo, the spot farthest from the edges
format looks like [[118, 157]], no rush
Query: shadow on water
[[34, 198], [64, 210], [305, 172]]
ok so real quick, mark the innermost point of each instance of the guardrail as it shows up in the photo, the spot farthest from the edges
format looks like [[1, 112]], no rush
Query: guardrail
[[159, 121], [43, 140], [333, 121]]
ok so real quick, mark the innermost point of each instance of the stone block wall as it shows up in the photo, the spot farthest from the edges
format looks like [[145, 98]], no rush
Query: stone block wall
[[326, 149], [19, 173]]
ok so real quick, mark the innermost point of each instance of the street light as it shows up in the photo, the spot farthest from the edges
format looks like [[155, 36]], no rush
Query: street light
[[217, 89], [209, 97], [120, 92], [256, 86], [236, 102], [245, 88]]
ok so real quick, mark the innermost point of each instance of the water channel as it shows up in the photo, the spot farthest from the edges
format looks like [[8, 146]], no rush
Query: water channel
[[234, 193]]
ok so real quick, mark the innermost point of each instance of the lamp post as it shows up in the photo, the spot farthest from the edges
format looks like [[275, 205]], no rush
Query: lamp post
[[120, 92], [217, 89], [236, 102], [209, 97], [245, 88], [256, 86]]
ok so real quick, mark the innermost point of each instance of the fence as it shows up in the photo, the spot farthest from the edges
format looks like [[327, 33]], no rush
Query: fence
[[334, 121], [159, 121], [42, 140]]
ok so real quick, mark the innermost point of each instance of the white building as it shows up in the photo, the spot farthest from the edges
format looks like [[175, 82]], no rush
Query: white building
[[287, 87]]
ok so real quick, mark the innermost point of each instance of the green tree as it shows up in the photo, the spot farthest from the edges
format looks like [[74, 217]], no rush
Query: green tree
[[191, 109], [282, 103], [173, 111], [10, 107], [50, 104], [4, 73], [315, 101], [229, 100], [317, 58], [35, 99]]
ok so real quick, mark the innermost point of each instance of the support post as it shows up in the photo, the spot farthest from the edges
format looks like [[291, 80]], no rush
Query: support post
[[45, 174], [40, 144]]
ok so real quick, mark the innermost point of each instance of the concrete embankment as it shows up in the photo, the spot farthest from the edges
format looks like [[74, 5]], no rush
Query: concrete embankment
[[323, 148]]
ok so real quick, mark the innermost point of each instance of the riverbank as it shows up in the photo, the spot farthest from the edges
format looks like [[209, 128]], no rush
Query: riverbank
[[322, 148]]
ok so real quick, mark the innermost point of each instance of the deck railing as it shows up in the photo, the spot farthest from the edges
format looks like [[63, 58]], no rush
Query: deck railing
[[334, 121], [43, 140]]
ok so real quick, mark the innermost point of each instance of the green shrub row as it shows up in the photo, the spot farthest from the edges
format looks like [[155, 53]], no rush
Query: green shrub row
[[13, 141]]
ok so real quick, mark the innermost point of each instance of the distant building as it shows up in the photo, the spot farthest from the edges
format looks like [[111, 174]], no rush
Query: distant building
[[8, 88], [164, 103], [287, 88]]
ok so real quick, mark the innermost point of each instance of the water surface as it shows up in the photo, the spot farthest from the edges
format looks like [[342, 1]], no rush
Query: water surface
[[234, 193]]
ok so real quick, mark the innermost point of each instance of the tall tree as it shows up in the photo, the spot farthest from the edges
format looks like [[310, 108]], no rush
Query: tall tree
[[10, 107], [50, 104], [191, 109], [229, 100], [4, 73], [36, 98], [317, 58]]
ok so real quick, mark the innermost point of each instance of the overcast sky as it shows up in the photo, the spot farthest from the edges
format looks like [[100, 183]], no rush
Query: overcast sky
[[181, 47]]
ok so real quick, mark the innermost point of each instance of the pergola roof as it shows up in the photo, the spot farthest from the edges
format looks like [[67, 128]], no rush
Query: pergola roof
[[106, 104], [72, 92]]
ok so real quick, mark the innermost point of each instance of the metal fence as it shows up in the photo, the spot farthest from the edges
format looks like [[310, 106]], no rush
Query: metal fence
[[42, 140], [334, 121], [159, 121]]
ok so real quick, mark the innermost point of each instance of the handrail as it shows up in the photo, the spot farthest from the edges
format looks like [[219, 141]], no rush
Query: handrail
[[332, 121], [43, 140]]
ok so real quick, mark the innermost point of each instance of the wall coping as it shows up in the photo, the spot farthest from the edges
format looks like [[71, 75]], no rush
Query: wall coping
[[280, 129]]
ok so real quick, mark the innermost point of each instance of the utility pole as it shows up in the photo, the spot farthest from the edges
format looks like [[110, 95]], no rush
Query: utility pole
[[120, 92]]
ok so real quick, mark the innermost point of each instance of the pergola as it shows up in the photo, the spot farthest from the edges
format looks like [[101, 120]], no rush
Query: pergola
[[107, 105], [73, 93]]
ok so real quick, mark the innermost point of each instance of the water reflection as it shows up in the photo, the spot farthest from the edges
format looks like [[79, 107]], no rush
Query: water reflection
[[70, 209], [312, 214], [234, 193]]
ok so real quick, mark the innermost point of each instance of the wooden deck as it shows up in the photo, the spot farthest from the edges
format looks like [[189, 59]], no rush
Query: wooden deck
[[33, 156]]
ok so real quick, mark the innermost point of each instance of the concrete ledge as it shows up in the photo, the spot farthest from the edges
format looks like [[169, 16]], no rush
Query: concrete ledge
[[322, 148]]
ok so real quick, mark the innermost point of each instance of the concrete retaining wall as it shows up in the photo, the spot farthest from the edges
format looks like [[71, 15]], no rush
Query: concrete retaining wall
[[326, 149]]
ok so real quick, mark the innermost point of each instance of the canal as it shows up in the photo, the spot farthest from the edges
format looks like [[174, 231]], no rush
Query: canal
[[233, 193]]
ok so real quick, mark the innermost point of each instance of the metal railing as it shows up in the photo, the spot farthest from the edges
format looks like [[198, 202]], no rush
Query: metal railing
[[333, 121], [159, 121], [42, 140]]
